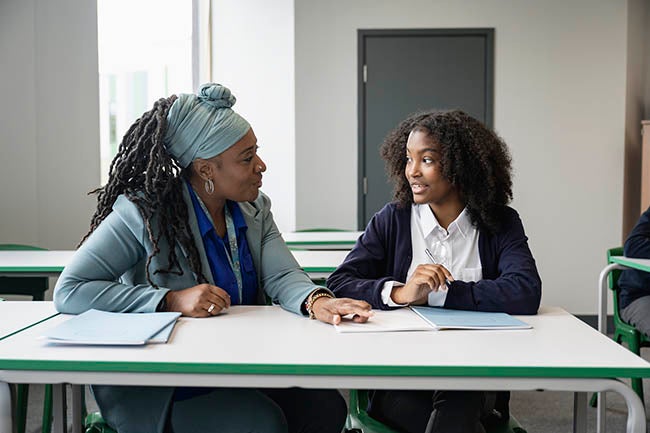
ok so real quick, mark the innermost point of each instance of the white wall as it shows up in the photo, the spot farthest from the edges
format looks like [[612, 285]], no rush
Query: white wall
[[637, 82], [49, 122], [560, 75], [253, 55], [18, 193], [560, 103]]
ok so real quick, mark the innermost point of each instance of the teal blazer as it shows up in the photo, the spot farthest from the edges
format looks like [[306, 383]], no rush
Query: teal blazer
[[108, 273]]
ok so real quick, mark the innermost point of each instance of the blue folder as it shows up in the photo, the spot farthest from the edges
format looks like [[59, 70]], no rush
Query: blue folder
[[96, 327], [443, 318]]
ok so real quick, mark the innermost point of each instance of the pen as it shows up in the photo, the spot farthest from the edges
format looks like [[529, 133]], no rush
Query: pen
[[430, 256]]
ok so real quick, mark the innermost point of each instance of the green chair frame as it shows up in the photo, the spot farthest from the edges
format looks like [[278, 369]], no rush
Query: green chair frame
[[36, 288], [95, 423], [358, 418], [623, 331]]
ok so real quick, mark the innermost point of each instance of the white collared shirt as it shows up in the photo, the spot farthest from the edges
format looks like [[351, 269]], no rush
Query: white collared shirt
[[455, 248]]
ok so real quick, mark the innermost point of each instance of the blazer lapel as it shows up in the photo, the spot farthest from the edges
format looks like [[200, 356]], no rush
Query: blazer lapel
[[253, 218], [196, 234]]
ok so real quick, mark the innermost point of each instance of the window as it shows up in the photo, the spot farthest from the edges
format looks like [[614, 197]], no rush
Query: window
[[145, 53]]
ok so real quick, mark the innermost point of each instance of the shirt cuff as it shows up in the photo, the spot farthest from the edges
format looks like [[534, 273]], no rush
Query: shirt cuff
[[387, 290], [437, 299]]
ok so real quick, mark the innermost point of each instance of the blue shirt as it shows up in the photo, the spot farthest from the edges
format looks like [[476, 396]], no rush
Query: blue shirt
[[217, 250]]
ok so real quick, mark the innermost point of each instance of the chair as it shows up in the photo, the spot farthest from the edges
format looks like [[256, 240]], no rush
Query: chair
[[358, 418], [94, 423], [623, 331], [36, 288]]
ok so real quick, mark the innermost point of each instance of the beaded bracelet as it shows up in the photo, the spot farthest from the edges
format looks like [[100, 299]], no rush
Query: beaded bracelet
[[312, 298]]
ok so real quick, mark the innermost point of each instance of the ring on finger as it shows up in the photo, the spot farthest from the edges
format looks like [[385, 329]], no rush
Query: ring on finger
[[210, 308]]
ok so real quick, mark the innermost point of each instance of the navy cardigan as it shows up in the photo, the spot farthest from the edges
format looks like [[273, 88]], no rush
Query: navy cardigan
[[636, 284], [383, 253]]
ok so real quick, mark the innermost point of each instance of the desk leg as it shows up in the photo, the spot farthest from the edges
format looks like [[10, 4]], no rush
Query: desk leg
[[635, 410], [579, 412], [602, 295], [77, 414], [60, 410], [5, 408], [601, 424], [601, 419]]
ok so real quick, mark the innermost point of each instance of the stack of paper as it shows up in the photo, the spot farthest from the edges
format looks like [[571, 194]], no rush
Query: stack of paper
[[431, 319], [96, 327]]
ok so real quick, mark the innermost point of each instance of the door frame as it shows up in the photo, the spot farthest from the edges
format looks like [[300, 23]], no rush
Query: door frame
[[362, 34]]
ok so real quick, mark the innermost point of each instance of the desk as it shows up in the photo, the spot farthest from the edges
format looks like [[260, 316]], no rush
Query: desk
[[39, 263], [559, 353], [17, 316], [318, 264], [321, 240]]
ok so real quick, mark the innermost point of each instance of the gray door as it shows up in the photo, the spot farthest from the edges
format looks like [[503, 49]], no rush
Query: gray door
[[404, 71]]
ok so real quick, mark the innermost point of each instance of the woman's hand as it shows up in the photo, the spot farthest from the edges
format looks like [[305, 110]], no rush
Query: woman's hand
[[330, 310], [426, 278], [203, 300]]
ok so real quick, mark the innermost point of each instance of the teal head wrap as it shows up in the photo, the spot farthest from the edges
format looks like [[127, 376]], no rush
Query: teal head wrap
[[203, 125]]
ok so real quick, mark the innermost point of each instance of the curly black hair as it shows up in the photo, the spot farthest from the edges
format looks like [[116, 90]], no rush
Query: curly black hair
[[148, 176], [473, 158]]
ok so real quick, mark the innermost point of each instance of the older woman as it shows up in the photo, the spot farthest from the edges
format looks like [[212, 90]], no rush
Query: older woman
[[182, 226]]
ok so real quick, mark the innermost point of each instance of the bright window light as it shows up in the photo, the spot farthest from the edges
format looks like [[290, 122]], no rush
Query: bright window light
[[145, 53]]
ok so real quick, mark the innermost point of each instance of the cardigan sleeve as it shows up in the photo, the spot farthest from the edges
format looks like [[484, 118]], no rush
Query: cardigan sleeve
[[516, 287], [638, 242], [366, 268], [635, 284]]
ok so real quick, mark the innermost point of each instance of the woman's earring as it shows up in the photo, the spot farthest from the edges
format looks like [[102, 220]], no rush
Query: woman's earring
[[209, 186]]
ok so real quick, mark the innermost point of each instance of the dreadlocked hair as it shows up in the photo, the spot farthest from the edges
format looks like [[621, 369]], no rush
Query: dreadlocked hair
[[147, 175], [473, 158]]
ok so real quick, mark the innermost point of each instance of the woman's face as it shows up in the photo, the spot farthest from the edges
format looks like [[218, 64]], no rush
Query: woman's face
[[238, 171], [424, 172]]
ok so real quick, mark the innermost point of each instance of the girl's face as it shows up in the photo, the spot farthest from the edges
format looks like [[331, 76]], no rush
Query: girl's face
[[424, 172]]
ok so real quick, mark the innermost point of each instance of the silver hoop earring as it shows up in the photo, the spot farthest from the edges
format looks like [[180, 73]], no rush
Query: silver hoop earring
[[209, 186]]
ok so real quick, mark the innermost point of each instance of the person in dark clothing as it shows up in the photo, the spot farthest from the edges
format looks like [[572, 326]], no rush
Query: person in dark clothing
[[449, 240], [635, 285]]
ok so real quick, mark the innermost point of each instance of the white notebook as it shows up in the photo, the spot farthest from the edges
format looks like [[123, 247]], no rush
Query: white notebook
[[402, 319]]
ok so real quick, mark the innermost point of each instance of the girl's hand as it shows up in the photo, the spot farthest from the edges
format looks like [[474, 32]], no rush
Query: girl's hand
[[426, 278]]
